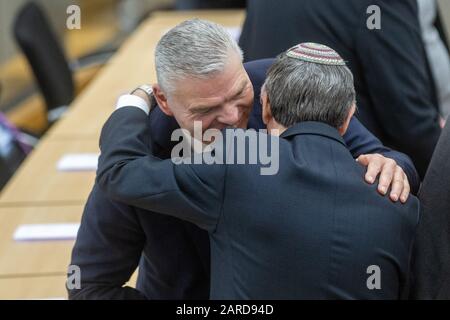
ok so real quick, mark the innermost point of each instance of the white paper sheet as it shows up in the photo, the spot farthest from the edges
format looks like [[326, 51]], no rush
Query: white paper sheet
[[47, 231], [78, 162]]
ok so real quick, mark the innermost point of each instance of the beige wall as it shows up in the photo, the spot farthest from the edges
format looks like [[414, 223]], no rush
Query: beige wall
[[55, 10]]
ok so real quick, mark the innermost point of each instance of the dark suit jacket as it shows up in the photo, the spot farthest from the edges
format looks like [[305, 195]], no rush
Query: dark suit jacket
[[309, 231], [431, 267], [395, 93], [113, 235]]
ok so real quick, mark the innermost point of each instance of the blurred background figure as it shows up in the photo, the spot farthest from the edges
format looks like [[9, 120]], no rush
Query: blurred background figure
[[395, 91], [431, 262], [436, 45]]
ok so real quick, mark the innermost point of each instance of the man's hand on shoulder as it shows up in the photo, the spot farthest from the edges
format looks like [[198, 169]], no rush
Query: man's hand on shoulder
[[391, 175]]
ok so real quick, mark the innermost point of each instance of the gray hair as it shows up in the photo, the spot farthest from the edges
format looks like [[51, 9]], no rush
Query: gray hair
[[194, 48], [304, 91]]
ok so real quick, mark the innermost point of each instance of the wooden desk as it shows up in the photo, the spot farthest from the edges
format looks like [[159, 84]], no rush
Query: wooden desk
[[38, 182], [131, 66], [29, 258], [37, 287], [36, 270]]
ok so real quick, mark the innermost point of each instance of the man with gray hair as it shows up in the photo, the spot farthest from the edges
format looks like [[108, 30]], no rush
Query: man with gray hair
[[201, 78], [299, 234]]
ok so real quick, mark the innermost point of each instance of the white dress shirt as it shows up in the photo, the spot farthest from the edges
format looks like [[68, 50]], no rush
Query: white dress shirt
[[130, 100]]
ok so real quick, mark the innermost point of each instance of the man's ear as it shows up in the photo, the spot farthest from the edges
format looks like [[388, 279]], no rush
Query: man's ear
[[266, 112], [161, 99], [343, 129]]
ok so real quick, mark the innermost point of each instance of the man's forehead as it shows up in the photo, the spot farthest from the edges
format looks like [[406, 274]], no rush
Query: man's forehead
[[232, 71], [211, 89]]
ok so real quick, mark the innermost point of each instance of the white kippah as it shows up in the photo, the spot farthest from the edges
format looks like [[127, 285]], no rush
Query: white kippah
[[315, 53]]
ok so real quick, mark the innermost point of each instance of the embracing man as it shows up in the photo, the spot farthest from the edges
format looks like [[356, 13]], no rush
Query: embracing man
[[312, 229], [200, 78]]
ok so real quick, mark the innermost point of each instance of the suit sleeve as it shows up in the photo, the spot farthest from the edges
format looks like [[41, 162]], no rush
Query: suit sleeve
[[128, 172], [107, 250], [394, 66], [361, 141]]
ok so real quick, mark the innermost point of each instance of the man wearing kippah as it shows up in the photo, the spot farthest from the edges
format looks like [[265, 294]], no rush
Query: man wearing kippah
[[201, 79], [381, 42], [312, 230]]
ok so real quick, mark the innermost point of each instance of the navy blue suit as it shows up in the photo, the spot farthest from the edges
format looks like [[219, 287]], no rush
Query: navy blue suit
[[312, 230], [113, 235]]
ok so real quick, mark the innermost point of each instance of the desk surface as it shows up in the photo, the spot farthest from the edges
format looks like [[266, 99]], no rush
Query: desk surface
[[30, 258], [37, 269], [39, 287], [38, 182]]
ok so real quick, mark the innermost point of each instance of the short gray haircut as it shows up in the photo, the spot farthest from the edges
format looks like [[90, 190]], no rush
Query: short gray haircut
[[194, 48], [304, 91]]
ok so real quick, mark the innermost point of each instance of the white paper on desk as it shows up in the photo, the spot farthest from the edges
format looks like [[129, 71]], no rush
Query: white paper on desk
[[47, 231], [78, 162]]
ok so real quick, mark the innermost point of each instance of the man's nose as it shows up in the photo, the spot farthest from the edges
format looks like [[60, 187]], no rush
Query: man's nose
[[230, 115]]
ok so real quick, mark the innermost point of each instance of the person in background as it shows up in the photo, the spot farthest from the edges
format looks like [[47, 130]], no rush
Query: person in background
[[431, 255], [437, 52], [395, 93], [14, 147]]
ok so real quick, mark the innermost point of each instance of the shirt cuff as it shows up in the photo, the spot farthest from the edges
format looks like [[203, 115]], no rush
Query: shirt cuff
[[130, 100]]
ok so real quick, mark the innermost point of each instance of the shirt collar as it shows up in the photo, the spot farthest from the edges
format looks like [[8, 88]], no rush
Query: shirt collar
[[313, 128]]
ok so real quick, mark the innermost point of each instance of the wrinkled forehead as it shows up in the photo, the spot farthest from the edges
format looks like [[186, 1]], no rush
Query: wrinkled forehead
[[218, 85]]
